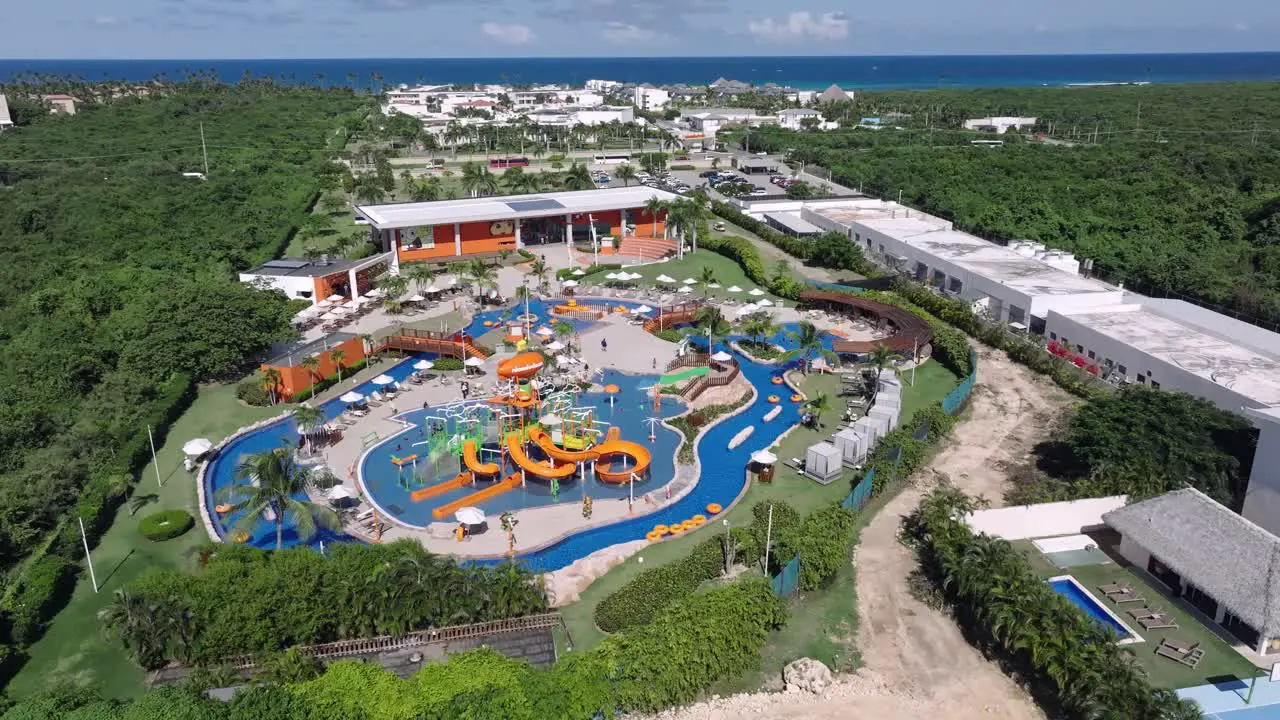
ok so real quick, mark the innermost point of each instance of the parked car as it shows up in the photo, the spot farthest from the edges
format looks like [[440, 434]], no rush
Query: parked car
[[708, 174], [718, 226], [759, 191]]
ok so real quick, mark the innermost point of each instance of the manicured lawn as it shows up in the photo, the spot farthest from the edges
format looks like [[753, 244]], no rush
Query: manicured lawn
[[1220, 660], [73, 650], [932, 383], [727, 274]]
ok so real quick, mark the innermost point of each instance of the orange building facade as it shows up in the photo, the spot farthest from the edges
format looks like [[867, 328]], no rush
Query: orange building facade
[[295, 378]]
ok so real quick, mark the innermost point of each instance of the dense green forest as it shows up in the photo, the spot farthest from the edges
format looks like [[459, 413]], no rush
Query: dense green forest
[[119, 291], [1170, 189]]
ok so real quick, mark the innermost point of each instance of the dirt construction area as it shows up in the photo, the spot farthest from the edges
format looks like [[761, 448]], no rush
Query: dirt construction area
[[915, 662]]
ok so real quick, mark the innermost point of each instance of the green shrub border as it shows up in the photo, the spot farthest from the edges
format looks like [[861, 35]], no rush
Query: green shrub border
[[165, 525]]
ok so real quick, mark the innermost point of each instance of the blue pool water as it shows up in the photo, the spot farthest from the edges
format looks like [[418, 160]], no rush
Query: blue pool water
[[722, 477], [1080, 598]]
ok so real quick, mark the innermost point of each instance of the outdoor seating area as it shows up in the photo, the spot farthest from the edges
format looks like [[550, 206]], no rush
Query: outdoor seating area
[[899, 330], [337, 311]]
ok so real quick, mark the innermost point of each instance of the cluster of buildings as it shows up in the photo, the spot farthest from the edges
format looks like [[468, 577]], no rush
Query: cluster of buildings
[[58, 104]]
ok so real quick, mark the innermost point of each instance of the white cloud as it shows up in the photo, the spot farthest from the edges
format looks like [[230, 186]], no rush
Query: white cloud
[[1242, 27], [513, 34], [620, 32], [104, 20], [802, 25]]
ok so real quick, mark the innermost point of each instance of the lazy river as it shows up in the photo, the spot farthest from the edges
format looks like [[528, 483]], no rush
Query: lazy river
[[722, 472]]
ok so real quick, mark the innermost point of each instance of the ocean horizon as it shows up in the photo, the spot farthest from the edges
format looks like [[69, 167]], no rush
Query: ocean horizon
[[804, 72]]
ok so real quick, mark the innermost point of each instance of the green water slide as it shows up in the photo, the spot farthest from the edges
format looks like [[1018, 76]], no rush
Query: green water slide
[[676, 378]]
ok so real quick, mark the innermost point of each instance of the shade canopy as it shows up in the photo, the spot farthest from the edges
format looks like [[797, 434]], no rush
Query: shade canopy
[[375, 293], [764, 303], [612, 276], [690, 281], [335, 298], [423, 365], [642, 309], [747, 309], [470, 516], [685, 289], [756, 292], [570, 283], [665, 279], [196, 447], [330, 316], [714, 286], [545, 331], [551, 419], [633, 276], [734, 288], [340, 492], [722, 356], [555, 345], [579, 272], [764, 457], [432, 290], [416, 298], [383, 380], [474, 361], [323, 304], [352, 397], [612, 389]]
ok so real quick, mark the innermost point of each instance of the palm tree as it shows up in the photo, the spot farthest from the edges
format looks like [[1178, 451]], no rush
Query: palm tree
[[564, 332], [808, 340], [880, 358], [477, 180], [513, 179], [538, 269], [420, 274], [307, 418], [393, 285], [425, 190], [271, 382], [337, 355], [368, 190], [626, 174], [481, 274], [150, 630], [818, 403], [310, 363], [758, 326], [578, 178], [272, 481], [710, 322], [706, 276], [655, 206]]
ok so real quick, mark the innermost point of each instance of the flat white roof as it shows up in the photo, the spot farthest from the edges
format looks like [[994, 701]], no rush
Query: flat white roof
[[1157, 329], [509, 207], [794, 222], [934, 236]]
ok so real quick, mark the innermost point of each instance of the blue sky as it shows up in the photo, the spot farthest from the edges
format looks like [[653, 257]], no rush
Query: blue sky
[[562, 28]]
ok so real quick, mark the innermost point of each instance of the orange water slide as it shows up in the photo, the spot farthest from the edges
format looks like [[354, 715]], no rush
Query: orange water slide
[[515, 448], [441, 488], [616, 472], [510, 482], [539, 437], [473, 463]]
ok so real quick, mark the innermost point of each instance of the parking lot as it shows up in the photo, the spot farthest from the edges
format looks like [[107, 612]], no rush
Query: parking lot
[[693, 179]]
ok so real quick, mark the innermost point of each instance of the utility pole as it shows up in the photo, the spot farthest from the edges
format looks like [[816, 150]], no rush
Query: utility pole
[[204, 151], [1139, 116], [1253, 140]]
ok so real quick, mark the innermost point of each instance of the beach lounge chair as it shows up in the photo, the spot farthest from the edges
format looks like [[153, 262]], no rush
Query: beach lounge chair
[[1116, 587], [1126, 597], [1189, 655], [376, 398], [1158, 622], [1144, 612]]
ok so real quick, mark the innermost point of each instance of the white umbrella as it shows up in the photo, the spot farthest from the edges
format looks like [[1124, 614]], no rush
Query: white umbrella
[[764, 457], [310, 429], [634, 276], [579, 272], [423, 365], [360, 301], [685, 289], [493, 294], [734, 288], [570, 283], [714, 286], [453, 280], [416, 298], [340, 492], [642, 310], [330, 316], [550, 419], [612, 276], [665, 279], [470, 516], [340, 311], [757, 292], [375, 293], [765, 302], [335, 298], [474, 361], [432, 290], [722, 356], [352, 397], [747, 309], [554, 346], [323, 304], [690, 281], [545, 331], [350, 304], [383, 380], [308, 311], [196, 447]]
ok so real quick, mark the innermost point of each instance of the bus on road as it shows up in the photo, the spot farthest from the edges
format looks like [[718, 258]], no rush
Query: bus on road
[[611, 158], [508, 162]]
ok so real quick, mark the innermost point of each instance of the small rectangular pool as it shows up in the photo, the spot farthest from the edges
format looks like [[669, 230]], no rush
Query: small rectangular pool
[[1076, 594]]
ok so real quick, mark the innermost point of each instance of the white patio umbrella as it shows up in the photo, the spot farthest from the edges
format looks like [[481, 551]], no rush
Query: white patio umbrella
[[757, 292], [196, 447], [361, 301], [555, 346], [474, 361], [569, 283], [764, 457], [432, 290], [545, 331], [340, 311], [423, 365], [747, 309], [714, 286], [685, 289], [579, 272], [335, 298], [350, 304], [722, 356], [375, 293], [551, 420], [765, 302], [665, 279], [734, 288], [308, 311], [340, 492], [352, 397], [416, 298], [470, 516], [330, 316], [324, 304], [690, 281], [634, 276], [493, 294], [453, 280], [611, 276], [383, 380], [642, 310]]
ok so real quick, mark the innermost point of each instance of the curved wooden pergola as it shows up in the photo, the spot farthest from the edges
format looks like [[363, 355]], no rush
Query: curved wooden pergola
[[910, 332]]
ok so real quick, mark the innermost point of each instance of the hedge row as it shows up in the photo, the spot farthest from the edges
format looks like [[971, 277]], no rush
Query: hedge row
[[793, 246], [741, 251], [165, 525], [889, 463], [652, 591], [567, 273], [950, 346], [328, 382], [43, 585]]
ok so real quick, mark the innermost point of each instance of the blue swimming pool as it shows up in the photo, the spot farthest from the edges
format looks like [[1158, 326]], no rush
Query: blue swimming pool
[[1075, 594]]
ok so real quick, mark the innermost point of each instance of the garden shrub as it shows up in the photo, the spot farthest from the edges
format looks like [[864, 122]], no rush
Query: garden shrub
[[165, 525], [653, 590], [325, 383], [823, 541], [912, 454], [683, 167], [526, 254], [251, 392], [670, 335], [447, 363], [816, 252], [42, 588]]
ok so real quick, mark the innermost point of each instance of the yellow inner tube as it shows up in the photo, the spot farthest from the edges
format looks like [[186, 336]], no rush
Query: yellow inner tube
[[797, 397], [653, 536], [488, 323], [223, 509], [700, 519], [661, 529], [714, 508], [774, 398], [676, 529], [688, 525], [776, 381], [239, 536]]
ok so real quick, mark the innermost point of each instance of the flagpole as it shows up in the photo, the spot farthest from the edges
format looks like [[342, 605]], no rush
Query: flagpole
[[154, 460], [915, 360], [88, 558]]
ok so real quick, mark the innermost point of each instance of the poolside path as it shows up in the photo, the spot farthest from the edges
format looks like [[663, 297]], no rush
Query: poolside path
[[916, 663]]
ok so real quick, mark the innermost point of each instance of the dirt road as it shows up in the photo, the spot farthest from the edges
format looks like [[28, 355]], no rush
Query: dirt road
[[915, 661]]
